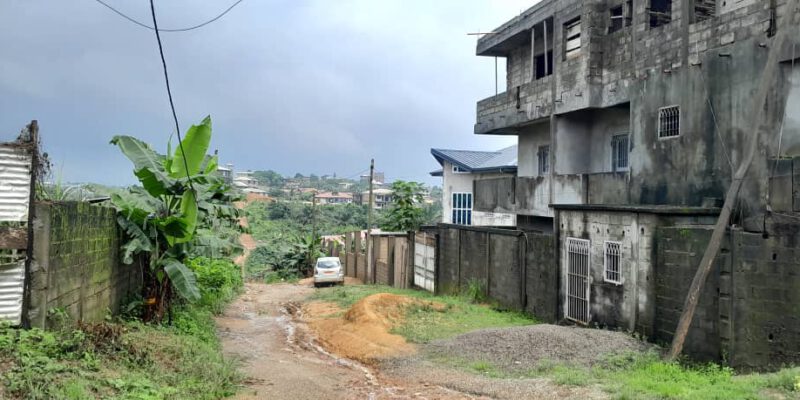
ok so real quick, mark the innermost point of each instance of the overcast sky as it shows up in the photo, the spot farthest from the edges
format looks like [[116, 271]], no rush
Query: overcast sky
[[316, 86]]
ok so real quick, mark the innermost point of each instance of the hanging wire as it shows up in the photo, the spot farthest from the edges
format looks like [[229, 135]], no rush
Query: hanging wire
[[169, 93], [143, 25]]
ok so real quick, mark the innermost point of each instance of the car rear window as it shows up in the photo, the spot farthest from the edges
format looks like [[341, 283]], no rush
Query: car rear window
[[327, 264]]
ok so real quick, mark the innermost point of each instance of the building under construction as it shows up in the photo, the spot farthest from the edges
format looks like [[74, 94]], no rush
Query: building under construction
[[632, 119]]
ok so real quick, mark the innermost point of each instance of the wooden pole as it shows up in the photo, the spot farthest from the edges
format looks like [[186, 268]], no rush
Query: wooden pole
[[715, 243]]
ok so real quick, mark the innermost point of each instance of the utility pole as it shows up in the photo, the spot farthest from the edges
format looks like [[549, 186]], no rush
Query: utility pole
[[313, 225], [714, 244], [369, 216]]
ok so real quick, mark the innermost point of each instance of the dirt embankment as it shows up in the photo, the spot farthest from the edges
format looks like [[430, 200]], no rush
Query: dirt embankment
[[363, 332]]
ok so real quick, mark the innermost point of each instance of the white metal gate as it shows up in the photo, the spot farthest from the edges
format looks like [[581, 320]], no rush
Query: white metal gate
[[16, 164], [577, 304], [425, 261]]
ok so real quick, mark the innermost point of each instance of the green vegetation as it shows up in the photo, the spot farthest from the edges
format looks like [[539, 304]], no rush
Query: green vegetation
[[405, 212], [425, 322], [646, 376], [182, 208], [127, 359]]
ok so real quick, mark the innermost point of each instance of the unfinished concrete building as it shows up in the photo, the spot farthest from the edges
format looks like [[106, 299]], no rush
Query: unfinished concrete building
[[631, 117]]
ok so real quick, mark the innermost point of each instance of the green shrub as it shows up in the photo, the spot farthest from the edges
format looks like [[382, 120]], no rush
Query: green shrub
[[219, 281]]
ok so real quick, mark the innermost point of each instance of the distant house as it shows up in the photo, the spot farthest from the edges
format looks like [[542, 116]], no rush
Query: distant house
[[381, 198], [245, 179], [333, 198], [460, 169], [378, 178], [226, 173]]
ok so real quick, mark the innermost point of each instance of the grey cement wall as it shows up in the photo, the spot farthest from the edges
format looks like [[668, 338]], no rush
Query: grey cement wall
[[76, 264], [749, 310], [514, 268], [687, 62], [679, 252]]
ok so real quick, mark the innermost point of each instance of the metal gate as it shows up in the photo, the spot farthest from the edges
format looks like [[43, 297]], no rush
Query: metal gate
[[577, 304], [16, 174], [425, 261]]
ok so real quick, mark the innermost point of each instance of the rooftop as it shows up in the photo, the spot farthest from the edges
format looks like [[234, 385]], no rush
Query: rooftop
[[503, 160]]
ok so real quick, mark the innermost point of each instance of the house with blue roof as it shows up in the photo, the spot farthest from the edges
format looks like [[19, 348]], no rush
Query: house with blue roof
[[460, 170]]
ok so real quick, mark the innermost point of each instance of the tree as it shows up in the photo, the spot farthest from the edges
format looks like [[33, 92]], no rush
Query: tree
[[405, 213], [178, 210], [269, 178]]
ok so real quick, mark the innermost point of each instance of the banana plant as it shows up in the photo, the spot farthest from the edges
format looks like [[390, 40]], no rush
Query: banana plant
[[179, 192]]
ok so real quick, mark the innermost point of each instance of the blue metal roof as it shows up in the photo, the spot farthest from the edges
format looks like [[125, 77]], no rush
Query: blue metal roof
[[503, 160]]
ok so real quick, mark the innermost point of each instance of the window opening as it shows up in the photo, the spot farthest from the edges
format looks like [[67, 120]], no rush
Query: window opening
[[669, 122], [617, 21], [612, 265], [620, 149], [660, 12], [572, 35], [462, 208]]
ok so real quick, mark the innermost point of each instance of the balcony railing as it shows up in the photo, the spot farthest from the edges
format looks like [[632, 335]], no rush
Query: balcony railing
[[521, 104]]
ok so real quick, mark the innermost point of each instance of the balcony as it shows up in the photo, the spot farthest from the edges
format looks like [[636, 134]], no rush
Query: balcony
[[531, 195], [525, 103]]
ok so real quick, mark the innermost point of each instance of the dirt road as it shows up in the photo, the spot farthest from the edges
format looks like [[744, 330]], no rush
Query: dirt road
[[279, 363]]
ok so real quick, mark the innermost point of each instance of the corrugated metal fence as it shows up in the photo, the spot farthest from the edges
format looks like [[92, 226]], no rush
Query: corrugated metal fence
[[16, 174]]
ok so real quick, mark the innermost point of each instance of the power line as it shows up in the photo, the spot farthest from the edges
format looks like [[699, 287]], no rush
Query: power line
[[169, 93], [143, 25]]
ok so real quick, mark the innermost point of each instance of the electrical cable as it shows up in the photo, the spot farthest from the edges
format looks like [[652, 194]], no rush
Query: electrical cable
[[169, 93], [143, 25]]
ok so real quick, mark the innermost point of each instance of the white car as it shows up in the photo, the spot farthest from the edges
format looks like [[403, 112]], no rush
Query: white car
[[328, 270]]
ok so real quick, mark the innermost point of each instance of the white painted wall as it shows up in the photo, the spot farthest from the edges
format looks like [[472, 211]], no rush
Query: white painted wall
[[462, 183]]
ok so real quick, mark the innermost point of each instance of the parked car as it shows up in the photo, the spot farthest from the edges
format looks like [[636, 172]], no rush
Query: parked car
[[328, 270]]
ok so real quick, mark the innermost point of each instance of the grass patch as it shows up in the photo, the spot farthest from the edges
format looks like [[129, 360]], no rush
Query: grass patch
[[127, 359], [646, 376], [424, 323]]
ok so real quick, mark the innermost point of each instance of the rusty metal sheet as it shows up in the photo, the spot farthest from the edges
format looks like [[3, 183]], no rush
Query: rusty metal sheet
[[13, 238], [12, 277], [15, 181]]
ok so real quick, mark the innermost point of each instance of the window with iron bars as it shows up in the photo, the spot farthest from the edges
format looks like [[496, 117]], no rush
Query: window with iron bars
[[462, 208], [544, 160], [612, 264], [669, 122], [620, 149]]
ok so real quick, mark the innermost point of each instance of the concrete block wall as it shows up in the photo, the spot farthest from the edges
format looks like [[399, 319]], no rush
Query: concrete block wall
[[765, 299], [679, 252], [514, 268], [76, 263], [749, 310]]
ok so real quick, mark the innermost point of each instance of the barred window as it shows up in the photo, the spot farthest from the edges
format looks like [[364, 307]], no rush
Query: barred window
[[462, 208], [669, 122], [544, 160], [620, 149], [612, 265]]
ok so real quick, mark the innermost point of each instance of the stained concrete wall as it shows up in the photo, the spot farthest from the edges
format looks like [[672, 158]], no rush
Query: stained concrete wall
[[697, 65], [512, 267], [749, 311], [76, 263]]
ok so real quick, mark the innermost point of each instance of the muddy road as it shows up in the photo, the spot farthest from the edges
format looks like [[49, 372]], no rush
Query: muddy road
[[265, 332]]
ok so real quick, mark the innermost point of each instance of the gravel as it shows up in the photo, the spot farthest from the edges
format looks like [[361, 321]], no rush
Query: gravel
[[528, 347]]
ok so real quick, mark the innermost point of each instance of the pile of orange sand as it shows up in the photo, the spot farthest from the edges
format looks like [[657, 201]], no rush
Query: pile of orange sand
[[363, 332]]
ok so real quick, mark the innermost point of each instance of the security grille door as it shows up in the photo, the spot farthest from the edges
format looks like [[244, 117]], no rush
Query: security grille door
[[578, 280]]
